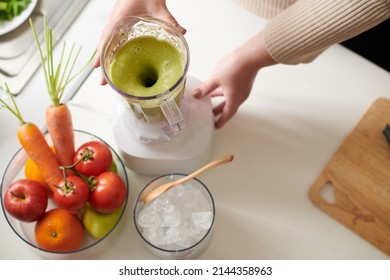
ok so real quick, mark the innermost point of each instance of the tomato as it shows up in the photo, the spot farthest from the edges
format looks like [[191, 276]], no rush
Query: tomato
[[72, 194], [109, 193], [94, 158]]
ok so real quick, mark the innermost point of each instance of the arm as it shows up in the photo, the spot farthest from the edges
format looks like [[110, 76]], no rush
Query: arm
[[302, 31], [296, 35]]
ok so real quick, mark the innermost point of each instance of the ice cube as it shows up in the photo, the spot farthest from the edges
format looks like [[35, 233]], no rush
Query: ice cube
[[168, 207], [149, 219], [173, 235], [182, 196], [171, 217], [155, 235], [159, 203], [202, 220]]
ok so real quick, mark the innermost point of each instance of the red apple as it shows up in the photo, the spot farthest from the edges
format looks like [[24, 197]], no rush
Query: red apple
[[26, 200]]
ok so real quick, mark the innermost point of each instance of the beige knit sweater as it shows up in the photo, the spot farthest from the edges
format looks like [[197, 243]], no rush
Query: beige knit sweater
[[299, 30]]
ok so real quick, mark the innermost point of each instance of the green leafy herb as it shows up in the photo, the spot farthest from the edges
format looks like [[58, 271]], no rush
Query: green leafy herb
[[60, 75], [12, 8]]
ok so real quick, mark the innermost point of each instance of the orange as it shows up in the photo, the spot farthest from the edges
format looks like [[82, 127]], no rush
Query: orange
[[31, 171], [59, 231]]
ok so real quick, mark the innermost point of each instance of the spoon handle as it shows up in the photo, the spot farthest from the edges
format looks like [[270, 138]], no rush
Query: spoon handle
[[205, 168], [159, 190]]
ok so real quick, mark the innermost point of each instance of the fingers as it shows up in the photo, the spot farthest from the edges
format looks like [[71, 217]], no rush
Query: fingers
[[223, 118], [170, 19], [223, 111], [96, 64], [217, 110], [164, 14], [96, 60], [205, 89], [102, 39], [102, 80]]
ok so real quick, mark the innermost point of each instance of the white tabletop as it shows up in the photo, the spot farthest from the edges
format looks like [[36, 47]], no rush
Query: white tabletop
[[282, 137]]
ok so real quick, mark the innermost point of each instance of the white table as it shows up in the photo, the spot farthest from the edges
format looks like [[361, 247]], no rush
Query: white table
[[282, 137]]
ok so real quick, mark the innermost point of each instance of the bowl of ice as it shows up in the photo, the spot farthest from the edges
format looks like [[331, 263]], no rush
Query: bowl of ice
[[177, 224]]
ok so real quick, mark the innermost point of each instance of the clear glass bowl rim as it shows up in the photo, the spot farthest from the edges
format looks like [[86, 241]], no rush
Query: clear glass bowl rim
[[90, 245], [180, 250]]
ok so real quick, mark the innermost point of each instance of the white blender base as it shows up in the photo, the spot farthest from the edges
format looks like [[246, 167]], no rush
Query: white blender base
[[184, 153]]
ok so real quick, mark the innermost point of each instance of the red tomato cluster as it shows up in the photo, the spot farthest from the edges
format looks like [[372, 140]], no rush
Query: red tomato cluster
[[92, 182]]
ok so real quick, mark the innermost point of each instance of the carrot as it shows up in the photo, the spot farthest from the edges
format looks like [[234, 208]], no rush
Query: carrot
[[60, 127], [58, 116], [34, 143]]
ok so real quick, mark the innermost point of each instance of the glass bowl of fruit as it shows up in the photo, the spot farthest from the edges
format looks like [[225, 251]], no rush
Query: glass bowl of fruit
[[79, 216]]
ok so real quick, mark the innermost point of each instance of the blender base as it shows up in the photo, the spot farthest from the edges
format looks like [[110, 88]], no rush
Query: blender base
[[183, 153]]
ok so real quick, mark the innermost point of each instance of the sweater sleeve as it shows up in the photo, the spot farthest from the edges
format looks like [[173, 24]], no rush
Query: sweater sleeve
[[306, 28]]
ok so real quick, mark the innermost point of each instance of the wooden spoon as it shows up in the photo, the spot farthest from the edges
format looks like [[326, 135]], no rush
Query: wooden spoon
[[163, 188]]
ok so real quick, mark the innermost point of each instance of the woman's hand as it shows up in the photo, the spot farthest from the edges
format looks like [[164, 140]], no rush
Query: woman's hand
[[233, 77]]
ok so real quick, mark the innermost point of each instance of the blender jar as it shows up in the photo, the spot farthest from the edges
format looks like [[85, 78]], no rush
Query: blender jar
[[145, 60]]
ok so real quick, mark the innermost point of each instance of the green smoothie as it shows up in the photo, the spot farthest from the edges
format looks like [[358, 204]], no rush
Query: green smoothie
[[146, 66]]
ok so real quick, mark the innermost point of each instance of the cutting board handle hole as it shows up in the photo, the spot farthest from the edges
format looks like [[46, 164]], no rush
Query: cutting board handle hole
[[327, 193]]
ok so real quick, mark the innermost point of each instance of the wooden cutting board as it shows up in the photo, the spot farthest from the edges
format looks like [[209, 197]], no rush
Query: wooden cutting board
[[358, 175]]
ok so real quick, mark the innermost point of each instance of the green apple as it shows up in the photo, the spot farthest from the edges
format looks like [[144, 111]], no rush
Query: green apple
[[99, 224], [113, 167]]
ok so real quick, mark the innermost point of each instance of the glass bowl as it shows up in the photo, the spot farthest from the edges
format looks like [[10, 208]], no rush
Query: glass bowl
[[177, 224], [25, 231]]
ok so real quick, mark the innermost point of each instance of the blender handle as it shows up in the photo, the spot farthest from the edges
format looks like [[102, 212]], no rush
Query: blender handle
[[173, 115]]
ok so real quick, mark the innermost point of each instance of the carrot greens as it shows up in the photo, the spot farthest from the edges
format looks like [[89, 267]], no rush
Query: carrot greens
[[57, 76], [11, 106]]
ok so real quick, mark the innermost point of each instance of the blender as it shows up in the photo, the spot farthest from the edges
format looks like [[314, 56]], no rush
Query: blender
[[158, 126]]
